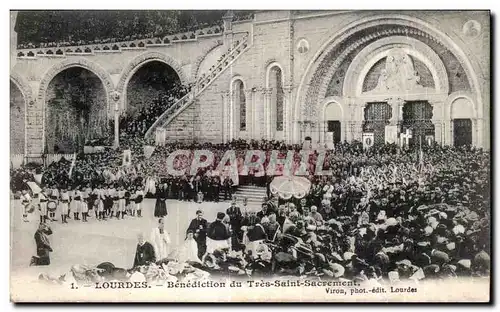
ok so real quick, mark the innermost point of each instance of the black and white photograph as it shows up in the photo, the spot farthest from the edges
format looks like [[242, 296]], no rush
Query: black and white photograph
[[250, 156]]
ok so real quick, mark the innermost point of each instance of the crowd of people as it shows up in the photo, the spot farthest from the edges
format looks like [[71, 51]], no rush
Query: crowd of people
[[384, 213], [137, 124], [151, 27]]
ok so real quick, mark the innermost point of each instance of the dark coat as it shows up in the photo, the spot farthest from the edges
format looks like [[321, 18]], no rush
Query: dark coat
[[42, 246], [144, 254], [218, 231], [199, 227]]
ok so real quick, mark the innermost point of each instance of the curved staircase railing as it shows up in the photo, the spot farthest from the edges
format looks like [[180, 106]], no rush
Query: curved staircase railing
[[200, 85]]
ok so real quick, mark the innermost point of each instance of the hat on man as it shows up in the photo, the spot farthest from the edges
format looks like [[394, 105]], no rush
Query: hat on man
[[439, 257], [464, 264], [337, 269], [482, 260], [431, 270], [404, 262], [220, 215]]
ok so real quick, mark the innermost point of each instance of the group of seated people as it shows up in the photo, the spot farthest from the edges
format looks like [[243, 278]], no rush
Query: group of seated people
[[155, 37], [138, 123]]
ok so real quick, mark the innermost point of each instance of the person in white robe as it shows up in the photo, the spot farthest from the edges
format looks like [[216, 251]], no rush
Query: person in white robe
[[189, 250], [121, 202], [75, 205], [64, 205], [25, 202], [160, 240]]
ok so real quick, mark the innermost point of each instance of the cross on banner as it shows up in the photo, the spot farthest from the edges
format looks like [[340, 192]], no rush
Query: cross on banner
[[405, 138]]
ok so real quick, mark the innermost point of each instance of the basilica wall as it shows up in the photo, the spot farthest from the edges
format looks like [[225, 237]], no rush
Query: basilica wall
[[331, 66]]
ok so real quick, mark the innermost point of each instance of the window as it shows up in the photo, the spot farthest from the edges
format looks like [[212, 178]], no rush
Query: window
[[279, 98], [240, 104], [243, 108]]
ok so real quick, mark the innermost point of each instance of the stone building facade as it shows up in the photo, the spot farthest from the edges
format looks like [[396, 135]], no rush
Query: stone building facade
[[289, 75]]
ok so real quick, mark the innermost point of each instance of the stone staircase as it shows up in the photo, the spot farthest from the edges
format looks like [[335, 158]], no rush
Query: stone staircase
[[201, 84], [254, 194]]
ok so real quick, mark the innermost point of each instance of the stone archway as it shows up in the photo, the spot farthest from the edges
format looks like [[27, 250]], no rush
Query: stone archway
[[202, 57], [343, 42], [23, 86], [94, 68], [19, 99], [143, 59]]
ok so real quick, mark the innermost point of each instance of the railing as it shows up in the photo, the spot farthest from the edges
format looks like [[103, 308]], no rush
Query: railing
[[200, 85], [222, 64], [60, 50]]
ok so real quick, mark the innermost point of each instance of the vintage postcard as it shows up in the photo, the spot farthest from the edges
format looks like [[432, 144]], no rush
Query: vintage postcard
[[250, 156]]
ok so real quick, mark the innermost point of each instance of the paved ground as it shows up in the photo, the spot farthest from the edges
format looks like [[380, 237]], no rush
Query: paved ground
[[98, 241]]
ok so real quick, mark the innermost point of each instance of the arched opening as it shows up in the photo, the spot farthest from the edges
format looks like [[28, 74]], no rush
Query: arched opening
[[376, 117], [277, 98], [417, 117], [240, 105], [153, 88], [17, 120], [462, 113], [333, 123], [76, 111]]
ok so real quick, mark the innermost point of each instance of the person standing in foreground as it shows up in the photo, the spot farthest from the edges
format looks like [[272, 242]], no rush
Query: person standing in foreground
[[218, 235], [161, 197], [64, 205], [160, 240], [198, 227], [25, 201], [42, 245], [145, 253], [139, 196]]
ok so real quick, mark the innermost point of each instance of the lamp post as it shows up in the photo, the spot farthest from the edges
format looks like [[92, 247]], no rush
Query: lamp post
[[116, 97]]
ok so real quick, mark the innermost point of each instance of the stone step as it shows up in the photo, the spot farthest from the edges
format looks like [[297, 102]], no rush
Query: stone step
[[252, 191]]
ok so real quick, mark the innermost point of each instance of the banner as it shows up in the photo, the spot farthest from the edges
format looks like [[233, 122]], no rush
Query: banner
[[429, 139], [391, 134], [148, 151], [329, 143], [368, 140], [161, 136], [127, 158]]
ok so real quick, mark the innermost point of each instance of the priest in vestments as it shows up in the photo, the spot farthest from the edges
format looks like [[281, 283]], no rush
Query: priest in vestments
[[160, 240], [145, 253]]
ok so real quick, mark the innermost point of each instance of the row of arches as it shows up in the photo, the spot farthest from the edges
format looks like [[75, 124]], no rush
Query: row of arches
[[75, 98], [460, 118]]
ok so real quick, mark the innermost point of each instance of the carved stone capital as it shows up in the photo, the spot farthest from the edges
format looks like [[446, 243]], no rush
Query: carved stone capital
[[115, 95], [288, 88], [267, 91]]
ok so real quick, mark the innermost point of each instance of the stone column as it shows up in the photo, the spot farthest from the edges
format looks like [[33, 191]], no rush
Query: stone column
[[481, 141], [35, 131], [225, 116], [267, 92], [287, 127], [437, 120], [249, 113], [255, 134]]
